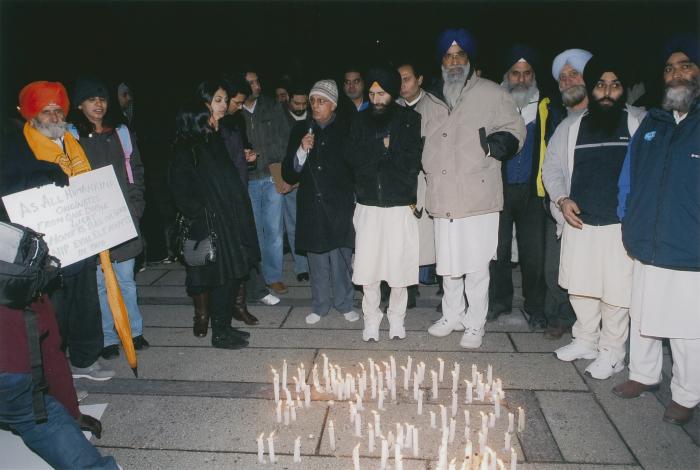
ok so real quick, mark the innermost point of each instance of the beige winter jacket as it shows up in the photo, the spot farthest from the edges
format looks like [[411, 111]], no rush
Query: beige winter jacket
[[462, 180]]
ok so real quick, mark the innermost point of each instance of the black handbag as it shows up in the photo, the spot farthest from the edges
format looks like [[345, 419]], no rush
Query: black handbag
[[197, 252]]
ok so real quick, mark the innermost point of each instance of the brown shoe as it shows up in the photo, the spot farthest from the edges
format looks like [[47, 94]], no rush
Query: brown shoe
[[278, 287], [556, 332], [240, 309], [201, 314], [677, 414], [632, 389]]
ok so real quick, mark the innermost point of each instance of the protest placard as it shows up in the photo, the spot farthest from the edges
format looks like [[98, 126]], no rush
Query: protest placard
[[79, 220]]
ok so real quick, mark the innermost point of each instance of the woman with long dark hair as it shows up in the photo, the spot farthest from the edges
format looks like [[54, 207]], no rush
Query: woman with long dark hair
[[207, 190]]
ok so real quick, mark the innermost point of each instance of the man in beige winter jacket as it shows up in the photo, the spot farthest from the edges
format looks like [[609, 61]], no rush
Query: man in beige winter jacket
[[462, 162]]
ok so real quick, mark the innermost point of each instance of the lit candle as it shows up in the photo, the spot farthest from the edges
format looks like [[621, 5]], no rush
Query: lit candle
[[261, 448], [513, 459], [353, 412], [390, 438], [358, 425], [325, 366], [454, 380], [373, 386], [474, 372], [393, 366], [489, 374], [434, 377], [470, 392], [293, 412], [302, 374], [484, 421], [380, 401], [380, 380], [314, 377], [377, 423], [482, 443], [279, 412], [409, 364], [398, 462], [466, 417], [506, 441], [405, 377], [299, 399], [358, 402], [457, 369], [420, 402], [441, 369], [497, 404], [492, 420], [467, 431], [416, 449], [416, 384], [307, 396], [422, 372], [443, 415], [286, 415], [432, 420], [276, 384], [385, 454], [452, 466], [399, 435], [371, 366], [454, 404], [453, 425], [408, 440], [468, 450], [370, 438], [297, 449], [287, 394], [511, 422], [271, 447], [521, 419], [393, 391], [356, 457], [331, 435]]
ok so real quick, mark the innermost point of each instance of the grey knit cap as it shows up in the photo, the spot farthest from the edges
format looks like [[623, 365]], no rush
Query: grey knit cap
[[325, 88]]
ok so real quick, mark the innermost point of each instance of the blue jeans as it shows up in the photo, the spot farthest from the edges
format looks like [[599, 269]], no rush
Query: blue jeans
[[267, 211], [125, 276], [58, 440], [301, 264]]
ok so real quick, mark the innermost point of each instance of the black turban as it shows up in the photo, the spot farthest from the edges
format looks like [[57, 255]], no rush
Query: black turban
[[387, 77]]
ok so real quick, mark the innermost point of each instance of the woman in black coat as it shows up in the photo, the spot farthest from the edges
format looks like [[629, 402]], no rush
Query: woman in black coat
[[207, 190]]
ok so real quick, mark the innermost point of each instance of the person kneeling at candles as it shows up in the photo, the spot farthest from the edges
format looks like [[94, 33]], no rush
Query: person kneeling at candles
[[384, 151], [325, 202]]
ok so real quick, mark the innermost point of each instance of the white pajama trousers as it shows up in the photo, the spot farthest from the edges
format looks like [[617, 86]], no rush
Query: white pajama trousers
[[372, 296]]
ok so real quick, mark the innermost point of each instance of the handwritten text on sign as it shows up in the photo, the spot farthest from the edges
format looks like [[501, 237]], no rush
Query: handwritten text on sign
[[80, 220]]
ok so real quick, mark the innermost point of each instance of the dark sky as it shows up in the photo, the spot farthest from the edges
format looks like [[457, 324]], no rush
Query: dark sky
[[165, 48]]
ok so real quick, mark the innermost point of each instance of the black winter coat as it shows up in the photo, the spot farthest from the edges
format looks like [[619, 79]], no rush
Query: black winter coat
[[325, 199], [201, 176], [385, 177]]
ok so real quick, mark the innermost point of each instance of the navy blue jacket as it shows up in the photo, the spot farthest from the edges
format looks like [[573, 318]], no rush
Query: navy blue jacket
[[660, 191]]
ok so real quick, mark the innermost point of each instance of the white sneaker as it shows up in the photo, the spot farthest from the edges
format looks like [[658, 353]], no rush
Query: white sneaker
[[351, 316], [270, 299], [605, 366], [397, 329], [576, 350], [312, 318], [472, 338], [444, 327], [371, 330]]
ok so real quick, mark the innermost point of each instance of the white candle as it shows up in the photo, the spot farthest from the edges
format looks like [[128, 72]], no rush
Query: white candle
[[484, 421], [467, 431], [302, 374], [261, 448], [377, 423], [398, 463], [356, 457], [422, 372], [276, 384], [385, 454], [454, 380], [452, 466], [393, 391], [470, 392], [287, 395], [380, 401], [279, 412], [441, 369], [521, 419], [392, 361], [489, 374], [457, 369], [358, 402], [307, 396], [370, 438], [286, 415], [416, 449], [453, 425], [506, 441], [353, 412], [466, 417], [497, 404], [408, 440], [513, 459], [358, 425], [432, 420], [405, 377], [271, 447], [325, 366], [299, 399], [454, 404], [492, 420], [434, 377], [371, 366], [468, 450], [420, 402], [331, 434], [443, 415], [390, 439], [380, 380], [293, 412], [416, 384], [297, 449], [474, 372], [284, 373], [511, 422], [482, 442], [399, 435], [409, 364], [314, 377]]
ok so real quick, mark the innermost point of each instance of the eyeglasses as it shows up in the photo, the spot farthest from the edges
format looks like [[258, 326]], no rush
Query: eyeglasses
[[461, 55], [571, 75], [53, 113]]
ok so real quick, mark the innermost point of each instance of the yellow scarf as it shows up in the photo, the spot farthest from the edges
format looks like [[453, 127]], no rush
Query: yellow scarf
[[73, 161]]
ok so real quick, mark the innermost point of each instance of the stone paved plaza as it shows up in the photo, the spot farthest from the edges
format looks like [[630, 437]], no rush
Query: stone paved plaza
[[196, 407]]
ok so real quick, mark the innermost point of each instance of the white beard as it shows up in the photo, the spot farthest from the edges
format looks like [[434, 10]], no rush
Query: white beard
[[521, 95], [52, 131], [680, 98], [454, 79]]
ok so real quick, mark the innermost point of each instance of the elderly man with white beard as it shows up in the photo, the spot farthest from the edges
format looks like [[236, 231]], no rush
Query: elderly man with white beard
[[462, 162], [523, 195], [659, 196]]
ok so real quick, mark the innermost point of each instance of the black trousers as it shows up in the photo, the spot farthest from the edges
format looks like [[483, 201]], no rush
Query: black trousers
[[557, 307], [78, 312], [526, 210]]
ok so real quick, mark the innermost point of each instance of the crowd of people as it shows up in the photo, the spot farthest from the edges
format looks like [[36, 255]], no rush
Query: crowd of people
[[377, 183]]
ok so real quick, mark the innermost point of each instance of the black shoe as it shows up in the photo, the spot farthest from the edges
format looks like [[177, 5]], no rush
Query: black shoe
[[301, 277], [226, 339], [497, 312], [241, 333], [93, 425], [140, 343], [537, 322], [438, 309], [110, 352]]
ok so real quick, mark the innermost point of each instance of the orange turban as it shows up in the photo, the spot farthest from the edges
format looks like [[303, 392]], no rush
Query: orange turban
[[35, 96]]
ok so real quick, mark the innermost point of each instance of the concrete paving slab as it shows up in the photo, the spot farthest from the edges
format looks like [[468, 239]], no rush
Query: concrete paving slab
[[581, 429], [149, 276], [575, 466], [162, 292], [172, 278], [662, 445], [210, 364], [537, 441], [535, 342], [320, 338], [518, 371], [180, 316]]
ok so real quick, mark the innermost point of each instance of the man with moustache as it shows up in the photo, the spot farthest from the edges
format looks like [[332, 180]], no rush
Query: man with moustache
[[660, 203], [567, 70], [523, 196], [384, 151], [354, 88], [462, 162], [582, 182]]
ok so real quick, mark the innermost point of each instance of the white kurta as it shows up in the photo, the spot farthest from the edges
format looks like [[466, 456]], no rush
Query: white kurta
[[666, 302], [386, 246], [465, 245], [594, 263], [426, 230]]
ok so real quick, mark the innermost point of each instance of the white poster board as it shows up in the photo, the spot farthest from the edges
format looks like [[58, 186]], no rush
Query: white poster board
[[79, 220]]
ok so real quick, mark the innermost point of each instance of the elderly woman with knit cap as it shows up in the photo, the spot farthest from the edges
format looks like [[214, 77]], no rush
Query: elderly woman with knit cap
[[325, 202]]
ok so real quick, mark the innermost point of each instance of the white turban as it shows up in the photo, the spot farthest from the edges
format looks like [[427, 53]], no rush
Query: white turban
[[577, 58]]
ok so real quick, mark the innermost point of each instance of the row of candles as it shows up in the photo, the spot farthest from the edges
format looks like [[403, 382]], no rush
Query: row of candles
[[343, 387]]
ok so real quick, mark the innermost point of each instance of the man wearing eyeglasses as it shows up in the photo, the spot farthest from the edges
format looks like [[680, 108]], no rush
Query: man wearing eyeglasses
[[462, 162], [581, 169]]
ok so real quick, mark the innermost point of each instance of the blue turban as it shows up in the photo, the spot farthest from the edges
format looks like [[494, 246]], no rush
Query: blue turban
[[521, 51], [577, 58], [686, 43], [461, 37]]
